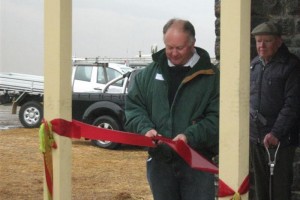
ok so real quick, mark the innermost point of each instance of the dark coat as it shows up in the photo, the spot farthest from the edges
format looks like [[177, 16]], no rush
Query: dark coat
[[194, 110], [275, 97]]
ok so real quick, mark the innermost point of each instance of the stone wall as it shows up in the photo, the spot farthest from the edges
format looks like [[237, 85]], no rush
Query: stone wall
[[284, 12], [287, 14]]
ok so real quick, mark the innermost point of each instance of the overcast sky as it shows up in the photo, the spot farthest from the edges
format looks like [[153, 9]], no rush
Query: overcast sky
[[105, 28]]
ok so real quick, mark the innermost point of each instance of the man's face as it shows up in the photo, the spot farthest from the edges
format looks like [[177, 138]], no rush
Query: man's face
[[267, 45], [179, 47]]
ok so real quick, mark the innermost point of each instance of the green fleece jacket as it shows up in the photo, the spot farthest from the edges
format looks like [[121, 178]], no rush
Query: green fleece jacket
[[195, 108]]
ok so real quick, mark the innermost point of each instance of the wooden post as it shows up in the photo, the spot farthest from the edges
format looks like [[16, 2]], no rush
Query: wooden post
[[234, 104], [57, 88]]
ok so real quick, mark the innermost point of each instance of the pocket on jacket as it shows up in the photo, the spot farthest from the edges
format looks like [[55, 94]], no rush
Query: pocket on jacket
[[276, 87], [276, 83]]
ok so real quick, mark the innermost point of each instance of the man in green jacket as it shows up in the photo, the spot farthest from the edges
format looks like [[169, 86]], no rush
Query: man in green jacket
[[177, 96]]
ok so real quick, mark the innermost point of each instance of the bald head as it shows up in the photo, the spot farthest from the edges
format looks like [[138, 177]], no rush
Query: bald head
[[180, 25], [179, 39]]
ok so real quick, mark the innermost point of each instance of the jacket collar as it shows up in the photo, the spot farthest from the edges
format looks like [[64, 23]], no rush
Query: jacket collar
[[203, 63], [191, 62], [280, 56], [202, 66]]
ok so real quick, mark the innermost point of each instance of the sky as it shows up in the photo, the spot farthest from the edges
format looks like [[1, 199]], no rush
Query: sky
[[104, 28]]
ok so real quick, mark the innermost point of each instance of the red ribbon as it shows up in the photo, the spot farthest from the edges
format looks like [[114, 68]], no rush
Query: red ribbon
[[76, 129], [49, 179], [225, 190], [48, 159]]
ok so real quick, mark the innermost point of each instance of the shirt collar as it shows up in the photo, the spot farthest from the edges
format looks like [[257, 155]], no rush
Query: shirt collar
[[191, 62]]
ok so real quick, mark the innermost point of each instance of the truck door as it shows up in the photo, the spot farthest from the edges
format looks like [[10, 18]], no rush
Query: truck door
[[83, 79]]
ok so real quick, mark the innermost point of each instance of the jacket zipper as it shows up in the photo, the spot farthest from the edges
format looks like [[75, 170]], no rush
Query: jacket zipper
[[261, 74], [173, 102], [171, 110]]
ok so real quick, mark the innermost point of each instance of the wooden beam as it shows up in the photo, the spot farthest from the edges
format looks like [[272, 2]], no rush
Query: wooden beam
[[57, 87], [234, 104]]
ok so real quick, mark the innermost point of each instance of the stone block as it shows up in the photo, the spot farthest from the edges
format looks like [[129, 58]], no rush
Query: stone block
[[273, 7], [295, 51], [287, 26], [295, 41], [297, 29], [293, 7]]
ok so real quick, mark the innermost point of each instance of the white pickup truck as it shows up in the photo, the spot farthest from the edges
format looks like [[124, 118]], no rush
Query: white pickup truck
[[27, 91]]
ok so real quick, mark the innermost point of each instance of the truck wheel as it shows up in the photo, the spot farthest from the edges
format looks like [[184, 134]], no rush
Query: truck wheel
[[108, 123], [31, 114]]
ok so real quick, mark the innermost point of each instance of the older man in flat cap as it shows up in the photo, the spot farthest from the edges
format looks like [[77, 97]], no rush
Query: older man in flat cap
[[274, 114]]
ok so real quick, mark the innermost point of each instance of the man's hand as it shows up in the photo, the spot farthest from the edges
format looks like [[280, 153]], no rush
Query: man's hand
[[270, 140], [151, 133], [180, 137]]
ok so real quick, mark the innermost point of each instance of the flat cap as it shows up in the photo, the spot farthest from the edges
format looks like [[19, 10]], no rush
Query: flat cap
[[266, 28]]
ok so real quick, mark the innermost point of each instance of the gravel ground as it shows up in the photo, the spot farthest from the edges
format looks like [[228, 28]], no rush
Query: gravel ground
[[8, 120], [97, 174]]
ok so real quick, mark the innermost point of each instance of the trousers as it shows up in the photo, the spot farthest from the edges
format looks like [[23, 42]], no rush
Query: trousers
[[279, 185], [176, 180]]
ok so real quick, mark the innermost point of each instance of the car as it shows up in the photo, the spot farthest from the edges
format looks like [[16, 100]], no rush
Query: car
[[93, 76], [104, 110], [28, 90]]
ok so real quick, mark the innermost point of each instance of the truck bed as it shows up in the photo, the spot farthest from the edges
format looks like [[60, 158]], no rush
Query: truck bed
[[15, 82]]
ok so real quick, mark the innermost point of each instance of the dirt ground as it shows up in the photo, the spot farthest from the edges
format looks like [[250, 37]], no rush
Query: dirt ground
[[97, 174]]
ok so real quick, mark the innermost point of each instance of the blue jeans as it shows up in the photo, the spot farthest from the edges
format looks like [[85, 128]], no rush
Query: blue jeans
[[175, 180]]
